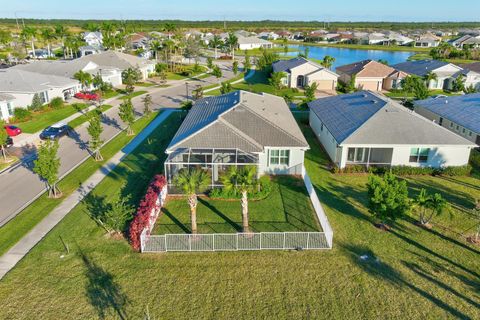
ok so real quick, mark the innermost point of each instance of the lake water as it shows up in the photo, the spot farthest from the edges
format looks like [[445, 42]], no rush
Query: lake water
[[347, 56]]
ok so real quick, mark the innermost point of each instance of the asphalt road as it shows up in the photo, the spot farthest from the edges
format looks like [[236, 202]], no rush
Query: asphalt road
[[19, 185]]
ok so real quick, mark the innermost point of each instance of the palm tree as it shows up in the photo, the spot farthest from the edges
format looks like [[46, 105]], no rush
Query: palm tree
[[430, 76], [30, 33], [244, 180], [431, 205], [215, 43], [191, 182], [169, 28], [60, 34], [156, 47], [84, 78], [48, 34], [232, 42], [328, 62]]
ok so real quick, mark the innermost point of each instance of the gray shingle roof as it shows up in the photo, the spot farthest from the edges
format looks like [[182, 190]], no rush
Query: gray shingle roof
[[239, 119], [463, 110], [15, 80], [56, 67], [420, 67], [285, 65], [368, 118]]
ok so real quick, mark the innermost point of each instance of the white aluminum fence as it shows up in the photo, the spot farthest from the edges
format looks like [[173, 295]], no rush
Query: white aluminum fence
[[246, 241], [236, 241]]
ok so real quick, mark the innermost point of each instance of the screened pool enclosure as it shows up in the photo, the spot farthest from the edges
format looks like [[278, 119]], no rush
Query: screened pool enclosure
[[215, 161]]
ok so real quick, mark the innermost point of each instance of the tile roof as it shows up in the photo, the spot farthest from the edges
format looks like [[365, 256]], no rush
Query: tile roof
[[368, 118], [463, 110], [239, 119], [420, 67], [472, 66]]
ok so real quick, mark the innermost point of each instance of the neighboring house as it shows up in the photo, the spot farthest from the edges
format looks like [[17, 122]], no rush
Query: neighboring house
[[247, 43], [68, 68], [88, 50], [94, 39], [238, 129], [472, 66], [138, 41], [397, 38], [244, 34], [118, 61], [446, 72], [268, 35], [41, 54], [368, 129], [459, 114], [371, 75], [428, 41], [374, 38], [466, 40], [300, 72], [23, 85], [6, 106]]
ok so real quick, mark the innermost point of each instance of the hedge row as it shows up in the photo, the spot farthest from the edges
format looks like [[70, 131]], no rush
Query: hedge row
[[406, 170]]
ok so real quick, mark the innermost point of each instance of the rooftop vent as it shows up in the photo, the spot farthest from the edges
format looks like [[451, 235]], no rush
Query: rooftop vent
[[365, 95], [374, 101], [206, 101]]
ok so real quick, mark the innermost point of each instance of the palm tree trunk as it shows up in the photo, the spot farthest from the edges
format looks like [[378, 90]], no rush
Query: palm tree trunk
[[244, 202], [33, 49], [48, 49], [215, 52], [4, 154], [192, 201]]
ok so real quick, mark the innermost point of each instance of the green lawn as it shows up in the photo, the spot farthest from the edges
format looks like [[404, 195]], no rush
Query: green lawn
[[110, 94], [410, 273], [41, 120], [426, 56], [16, 228], [84, 118], [145, 84], [11, 160], [180, 76], [259, 52], [287, 208], [259, 83], [133, 94]]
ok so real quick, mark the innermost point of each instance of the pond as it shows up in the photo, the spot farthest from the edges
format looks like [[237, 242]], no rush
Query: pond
[[347, 56]]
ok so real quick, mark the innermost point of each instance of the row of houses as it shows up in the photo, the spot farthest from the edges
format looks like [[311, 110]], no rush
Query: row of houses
[[363, 128], [55, 78]]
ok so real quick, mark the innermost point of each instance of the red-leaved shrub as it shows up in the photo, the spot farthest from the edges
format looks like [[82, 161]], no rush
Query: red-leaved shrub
[[147, 211]]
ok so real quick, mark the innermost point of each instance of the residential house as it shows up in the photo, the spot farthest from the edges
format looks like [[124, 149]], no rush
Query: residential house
[[88, 50], [398, 38], [244, 34], [300, 72], [472, 66], [371, 75], [466, 41], [247, 43], [446, 72], [23, 85], [268, 35], [368, 129], [459, 114], [94, 39], [6, 106], [427, 40], [285, 35], [237, 129], [138, 40], [375, 38]]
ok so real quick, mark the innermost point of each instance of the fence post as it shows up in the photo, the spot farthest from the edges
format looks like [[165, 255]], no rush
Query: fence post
[[189, 242], [237, 241], [166, 249], [308, 239], [284, 235], [261, 235], [214, 242]]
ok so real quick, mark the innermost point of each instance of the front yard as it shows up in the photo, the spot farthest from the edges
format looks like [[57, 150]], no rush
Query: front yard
[[408, 273], [286, 208]]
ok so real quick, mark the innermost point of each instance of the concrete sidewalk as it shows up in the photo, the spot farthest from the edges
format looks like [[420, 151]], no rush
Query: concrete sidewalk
[[21, 248]]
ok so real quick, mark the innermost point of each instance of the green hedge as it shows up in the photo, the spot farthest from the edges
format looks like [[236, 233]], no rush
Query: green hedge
[[406, 170], [263, 190]]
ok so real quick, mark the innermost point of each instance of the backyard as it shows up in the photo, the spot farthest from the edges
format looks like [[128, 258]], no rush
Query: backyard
[[407, 273]]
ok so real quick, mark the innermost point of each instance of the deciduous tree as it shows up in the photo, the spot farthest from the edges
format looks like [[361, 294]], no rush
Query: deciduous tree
[[47, 165]]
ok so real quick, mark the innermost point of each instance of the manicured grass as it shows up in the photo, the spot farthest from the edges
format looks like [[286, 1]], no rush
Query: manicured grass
[[133, 94], [84, 118], [110, 94], [259, 52], [409, 273], [361, 46], [16, 228], [180, 76], [426, 56], [259, 83], [145, 84], [237, 77], [11, 160], [41, 120], [287, 208]]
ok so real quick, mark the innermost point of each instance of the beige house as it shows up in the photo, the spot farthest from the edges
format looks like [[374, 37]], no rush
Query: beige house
[[371, 75], [300, 72]]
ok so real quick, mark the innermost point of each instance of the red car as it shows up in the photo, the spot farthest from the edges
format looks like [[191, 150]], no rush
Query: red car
[[86, 96], [12, 130]]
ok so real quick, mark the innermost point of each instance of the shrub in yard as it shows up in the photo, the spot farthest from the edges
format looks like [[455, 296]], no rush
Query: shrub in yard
[[36, 103], [475, 159], [457, 171], [21, 114], [56, 103], [148, 204], [414, 171]]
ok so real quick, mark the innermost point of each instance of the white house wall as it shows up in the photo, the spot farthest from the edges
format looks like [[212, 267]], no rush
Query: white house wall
[[324, 136], [296, 160]]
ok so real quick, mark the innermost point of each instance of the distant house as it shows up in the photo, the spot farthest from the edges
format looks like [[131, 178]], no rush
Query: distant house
[[300, 72], [397, 38], [23, 85], [368, 129], [375, 38], [41, 54], [94, 39], [88, 50], [446, 72], [238, 129], [6, 106], [466, 41], [138, 41], [472, 66], [247, 43], [268, 35], [459, 114], [371, 75], [427, 40]]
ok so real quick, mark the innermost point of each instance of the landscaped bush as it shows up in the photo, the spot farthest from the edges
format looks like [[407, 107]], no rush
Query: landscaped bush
[[405, 170], [457, 171], [21, 114], [475, 159], [263, 189], [141, 220], [414, 171], [56, 103]]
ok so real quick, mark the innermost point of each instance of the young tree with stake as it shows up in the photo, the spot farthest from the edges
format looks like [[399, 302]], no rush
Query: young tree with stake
[[95, 130], [127, 115], [147, 104], [47, 166]]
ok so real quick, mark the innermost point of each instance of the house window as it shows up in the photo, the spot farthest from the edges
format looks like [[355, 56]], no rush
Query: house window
[[279, 157], [470, 134], [440, 122], [463, 130], [457, 128], [321, 127], [10, 109], [356, 155], [419, 155], [451, 124]]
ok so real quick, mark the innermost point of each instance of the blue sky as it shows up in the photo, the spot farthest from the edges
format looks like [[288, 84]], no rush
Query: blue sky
[[333, 10]]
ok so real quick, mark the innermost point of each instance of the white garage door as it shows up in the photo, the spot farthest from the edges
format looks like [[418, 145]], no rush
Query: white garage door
[[325, 85]]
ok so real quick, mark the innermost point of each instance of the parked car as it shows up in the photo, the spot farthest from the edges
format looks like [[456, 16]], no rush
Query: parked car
[[86, 96], [55, 131], [12, 130]]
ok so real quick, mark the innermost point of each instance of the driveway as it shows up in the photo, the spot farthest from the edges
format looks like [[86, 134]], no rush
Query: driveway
[[20, 185]]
